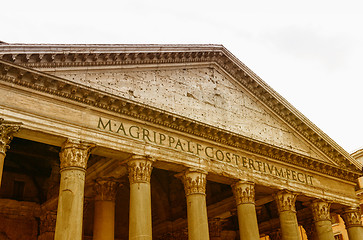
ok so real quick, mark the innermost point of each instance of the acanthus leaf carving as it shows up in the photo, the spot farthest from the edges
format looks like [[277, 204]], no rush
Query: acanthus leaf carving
[[7, 129], [352, 217], [244, 192], [285, 201], [321, 210], [139, 169], [105, 189], [75, 154], [195, 181]]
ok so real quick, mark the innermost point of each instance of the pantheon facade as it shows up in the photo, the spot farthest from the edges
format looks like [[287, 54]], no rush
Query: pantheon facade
[[161, 142]]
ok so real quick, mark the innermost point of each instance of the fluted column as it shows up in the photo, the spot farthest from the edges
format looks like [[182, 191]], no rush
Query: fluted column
[[321, 215], [140, 222], [7, 129], [73, 159], [244, 193], [194, 185], [285, 201], [353, 222], [104, 216]]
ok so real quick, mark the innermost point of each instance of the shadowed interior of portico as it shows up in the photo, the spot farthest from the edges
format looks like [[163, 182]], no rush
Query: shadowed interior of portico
[[31, 178]]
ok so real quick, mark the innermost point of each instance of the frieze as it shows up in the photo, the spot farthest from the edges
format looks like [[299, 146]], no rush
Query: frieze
[[74, 154], [56, 86], [205, 151]]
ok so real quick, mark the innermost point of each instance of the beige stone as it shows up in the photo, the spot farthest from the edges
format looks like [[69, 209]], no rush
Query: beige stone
[[73, 157], [140, 220]]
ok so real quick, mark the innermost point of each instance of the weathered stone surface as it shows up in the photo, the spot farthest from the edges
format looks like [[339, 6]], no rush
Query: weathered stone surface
[[204, 94]]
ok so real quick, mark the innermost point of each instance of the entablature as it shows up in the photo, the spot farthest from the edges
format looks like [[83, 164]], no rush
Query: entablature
[[48, 84]]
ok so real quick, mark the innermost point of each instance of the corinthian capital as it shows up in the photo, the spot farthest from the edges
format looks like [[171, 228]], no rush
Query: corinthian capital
[[75, 154], [139, 168], [7, 129], [194, 181], [321, 210], [352, 217], [285, 201], [106, 189], [244, 192]]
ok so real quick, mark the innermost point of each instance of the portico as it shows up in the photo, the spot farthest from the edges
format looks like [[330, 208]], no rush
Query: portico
[[204, 166]]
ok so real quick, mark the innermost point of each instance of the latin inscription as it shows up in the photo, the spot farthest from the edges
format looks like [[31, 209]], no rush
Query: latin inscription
[[203, 151]]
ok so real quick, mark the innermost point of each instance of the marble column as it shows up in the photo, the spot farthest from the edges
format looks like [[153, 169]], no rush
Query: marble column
[[140, 222], [244, 193], [104, 215], [322, 220], [194, 185], [353, 222], [285, 201], [73, 158], [7, 129]]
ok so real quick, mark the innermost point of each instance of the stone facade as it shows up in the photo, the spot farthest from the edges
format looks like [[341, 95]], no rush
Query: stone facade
[[166, 142]]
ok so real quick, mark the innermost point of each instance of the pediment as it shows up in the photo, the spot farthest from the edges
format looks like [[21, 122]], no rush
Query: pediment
[[218, 90], [205, 94]]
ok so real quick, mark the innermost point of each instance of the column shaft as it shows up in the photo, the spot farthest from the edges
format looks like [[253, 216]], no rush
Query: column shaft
[[321, 215], [353, 223], [140, 222], [285, 201], [104, 216], [244, 193], [194, 186], [73, 157]]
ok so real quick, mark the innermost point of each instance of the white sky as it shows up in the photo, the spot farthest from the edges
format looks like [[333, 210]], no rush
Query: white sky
[[308, 51]]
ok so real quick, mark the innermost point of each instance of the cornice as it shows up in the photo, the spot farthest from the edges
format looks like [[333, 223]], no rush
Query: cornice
[[22, 75]]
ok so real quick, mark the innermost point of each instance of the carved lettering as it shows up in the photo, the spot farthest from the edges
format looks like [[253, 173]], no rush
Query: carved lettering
[[249, 163]]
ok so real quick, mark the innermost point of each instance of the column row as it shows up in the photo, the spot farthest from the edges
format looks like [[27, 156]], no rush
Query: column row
[[74, 156]]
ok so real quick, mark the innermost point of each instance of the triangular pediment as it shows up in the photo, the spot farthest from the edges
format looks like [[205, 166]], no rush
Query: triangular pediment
[[201, 93], [203, 83]]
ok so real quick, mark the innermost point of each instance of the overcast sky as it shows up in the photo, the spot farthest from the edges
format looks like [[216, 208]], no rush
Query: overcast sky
[[308, 51]]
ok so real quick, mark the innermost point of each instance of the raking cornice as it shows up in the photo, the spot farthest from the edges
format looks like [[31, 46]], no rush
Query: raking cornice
[[49, 56], [22, 76]]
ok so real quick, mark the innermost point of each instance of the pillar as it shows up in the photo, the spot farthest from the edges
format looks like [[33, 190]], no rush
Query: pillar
[[104, 215], [140, 224], [194, 185], [73, 159], [285, 201], [353, 222], [244, 193], [322, 220], [7, 129]]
